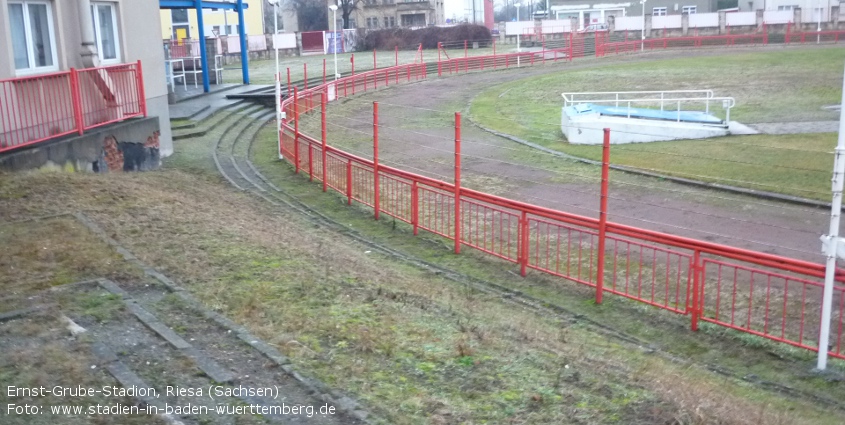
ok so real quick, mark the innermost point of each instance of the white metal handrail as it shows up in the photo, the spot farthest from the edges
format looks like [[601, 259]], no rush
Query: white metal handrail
[[614, 97], [569, 98]]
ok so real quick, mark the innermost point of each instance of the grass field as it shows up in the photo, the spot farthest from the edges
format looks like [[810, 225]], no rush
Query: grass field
[[412, 345], [772, 86]]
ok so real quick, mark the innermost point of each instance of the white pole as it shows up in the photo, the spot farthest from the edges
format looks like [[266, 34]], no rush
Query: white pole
[[518, 30], [334, 39], [642, 43], [276, 33], [278, 76], [818, 21], [832, 237]]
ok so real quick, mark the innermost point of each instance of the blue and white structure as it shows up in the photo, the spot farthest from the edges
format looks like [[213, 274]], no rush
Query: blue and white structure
[[643, 116]]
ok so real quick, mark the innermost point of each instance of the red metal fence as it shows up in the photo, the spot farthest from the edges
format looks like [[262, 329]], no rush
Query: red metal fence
[[615, 43], [770, 296], [42, 107]]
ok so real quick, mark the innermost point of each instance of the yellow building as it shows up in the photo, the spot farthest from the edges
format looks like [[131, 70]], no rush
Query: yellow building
[[179, 24]]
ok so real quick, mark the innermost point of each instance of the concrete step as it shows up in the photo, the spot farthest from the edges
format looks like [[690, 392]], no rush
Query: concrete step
[[243, 107]]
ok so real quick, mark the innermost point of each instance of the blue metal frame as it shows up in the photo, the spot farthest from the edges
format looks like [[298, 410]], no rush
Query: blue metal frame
[[199, 5]]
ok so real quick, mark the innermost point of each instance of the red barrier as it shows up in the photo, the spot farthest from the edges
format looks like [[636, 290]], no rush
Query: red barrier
[[763, 294], [38, 108]]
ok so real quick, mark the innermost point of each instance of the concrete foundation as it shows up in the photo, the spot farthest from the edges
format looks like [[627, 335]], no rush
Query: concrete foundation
[[588, 129], [132, 145]]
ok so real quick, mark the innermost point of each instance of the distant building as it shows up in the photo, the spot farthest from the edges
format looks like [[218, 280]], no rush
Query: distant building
[[180, 24], [380, 14]]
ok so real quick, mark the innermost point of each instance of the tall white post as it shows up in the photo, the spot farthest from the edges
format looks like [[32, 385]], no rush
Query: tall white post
[[642, 43], [818, 21], [276, 32], [832, 239], [518, 30], [334, 39], [278, 88]]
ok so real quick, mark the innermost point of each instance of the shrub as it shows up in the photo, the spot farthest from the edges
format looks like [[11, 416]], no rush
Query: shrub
[[388, 39]]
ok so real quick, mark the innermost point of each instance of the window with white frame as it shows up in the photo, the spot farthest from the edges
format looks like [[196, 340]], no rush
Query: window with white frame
[[658, 11], [690, 10], [788, 7], [33, 37], [105, 32]]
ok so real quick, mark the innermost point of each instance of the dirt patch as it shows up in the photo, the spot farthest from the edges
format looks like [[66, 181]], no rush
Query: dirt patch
[[416, 131]]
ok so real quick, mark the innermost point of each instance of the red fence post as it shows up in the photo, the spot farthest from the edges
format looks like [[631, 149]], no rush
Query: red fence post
[[457, 182], [352, 59], [289, 88], [374, 59], [142, 97], [296, 130], [695, 309], [324, 71], [396, 54], [415, 207], [376, 200], [305, 72], [76, 98], [605, 175], [523, 243]]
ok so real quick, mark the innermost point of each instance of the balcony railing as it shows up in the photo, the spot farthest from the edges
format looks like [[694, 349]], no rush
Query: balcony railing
[[42, 107]]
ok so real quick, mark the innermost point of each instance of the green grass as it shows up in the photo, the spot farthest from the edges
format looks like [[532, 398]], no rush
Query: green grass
[[725, 348], [772, 86]]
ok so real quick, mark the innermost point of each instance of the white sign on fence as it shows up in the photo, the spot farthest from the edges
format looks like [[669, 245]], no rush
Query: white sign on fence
[[703, 20], [741, 18], [519, 27], [668, 21], [778, 16], [285, 40], [632, 23]]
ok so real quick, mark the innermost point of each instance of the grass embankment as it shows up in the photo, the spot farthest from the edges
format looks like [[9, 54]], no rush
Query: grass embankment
[[769, 87], [414, 347], [37, 260]]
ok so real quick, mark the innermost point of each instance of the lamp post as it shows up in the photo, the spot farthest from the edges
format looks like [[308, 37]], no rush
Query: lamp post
[[518, 29], [818, 21], [642, 43], [278, 84], [334, 38], [275, 4]]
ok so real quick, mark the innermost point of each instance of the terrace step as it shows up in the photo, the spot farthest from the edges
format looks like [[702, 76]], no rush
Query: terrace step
[[235, 107]]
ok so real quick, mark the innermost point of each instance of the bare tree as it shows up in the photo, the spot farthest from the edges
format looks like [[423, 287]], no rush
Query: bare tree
[[346, 7], [312, 15]]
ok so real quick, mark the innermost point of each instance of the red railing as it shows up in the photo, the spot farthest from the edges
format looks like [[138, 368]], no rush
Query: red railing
[[38, 108], [615, 43], [766, 295]]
